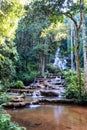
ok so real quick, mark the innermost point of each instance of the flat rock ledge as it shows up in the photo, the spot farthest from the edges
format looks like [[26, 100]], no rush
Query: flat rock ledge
[[56, 101], [40, 102]]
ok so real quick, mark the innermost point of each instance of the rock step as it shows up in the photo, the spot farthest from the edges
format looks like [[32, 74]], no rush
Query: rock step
[[40, 102], [56, 101]]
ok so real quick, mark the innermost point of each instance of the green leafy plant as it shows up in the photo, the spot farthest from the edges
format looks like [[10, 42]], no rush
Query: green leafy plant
[[27, 78], [6, 124], [4, 97], [18, 84], [72, 92], [51, 68]]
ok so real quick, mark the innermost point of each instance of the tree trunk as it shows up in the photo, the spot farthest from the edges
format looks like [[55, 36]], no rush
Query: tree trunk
[[72, 63], [42, 64], [78, 60], [74, 48], [84, 49]]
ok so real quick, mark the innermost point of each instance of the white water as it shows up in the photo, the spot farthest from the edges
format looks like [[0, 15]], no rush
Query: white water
[[36, 94], [58, 62]]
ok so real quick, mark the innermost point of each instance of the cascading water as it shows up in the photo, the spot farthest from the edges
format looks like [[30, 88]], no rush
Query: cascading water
[[36, 94], [58, 62]]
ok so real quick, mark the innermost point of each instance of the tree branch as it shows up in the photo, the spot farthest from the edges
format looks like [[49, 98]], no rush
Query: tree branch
[[72, 18]]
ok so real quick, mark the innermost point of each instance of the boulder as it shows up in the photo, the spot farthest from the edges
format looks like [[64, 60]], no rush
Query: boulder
[[49, 93]]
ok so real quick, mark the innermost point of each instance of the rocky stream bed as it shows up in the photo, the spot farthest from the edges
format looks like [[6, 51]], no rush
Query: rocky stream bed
[[44, 107], [41, 91]]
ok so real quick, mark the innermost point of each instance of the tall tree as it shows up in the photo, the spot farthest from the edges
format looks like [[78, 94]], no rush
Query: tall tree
[[72, 46], [84, 43], [9, 16]]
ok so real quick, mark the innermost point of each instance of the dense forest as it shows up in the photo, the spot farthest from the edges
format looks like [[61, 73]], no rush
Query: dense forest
[[31, 34]]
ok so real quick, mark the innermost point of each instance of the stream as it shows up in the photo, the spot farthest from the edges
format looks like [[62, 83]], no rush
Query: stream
[[48, 117], [51, 117]]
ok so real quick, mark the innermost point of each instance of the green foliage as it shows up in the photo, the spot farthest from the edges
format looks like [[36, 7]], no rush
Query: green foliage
[[9, 16], [17, 84], [58, 30], [71, 78], [2, 88], [51, 68], [32, 46], [72, 90], [69, 72], [4, 97], [8, 58], [82, 99], [28, 78], [4, 121], [6, 124], [42, 48]]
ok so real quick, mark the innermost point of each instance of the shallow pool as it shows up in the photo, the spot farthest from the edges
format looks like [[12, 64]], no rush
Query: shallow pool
[[51, 117]]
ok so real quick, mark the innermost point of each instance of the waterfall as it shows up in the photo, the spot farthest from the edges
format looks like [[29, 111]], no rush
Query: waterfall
[[36, 94], [58, 62]]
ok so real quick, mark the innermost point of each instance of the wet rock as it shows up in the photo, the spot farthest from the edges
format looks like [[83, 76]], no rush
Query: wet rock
[[17, 100], [49, 93], [56, 101], [16, 104]]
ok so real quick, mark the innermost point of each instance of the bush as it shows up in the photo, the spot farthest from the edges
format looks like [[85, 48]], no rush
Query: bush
[[68, 73], [2, 87], [82, 99], [52, 69], [6, 124], [4, 98], [18, 84], [28, 78], [71, 78], [72, 92]]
